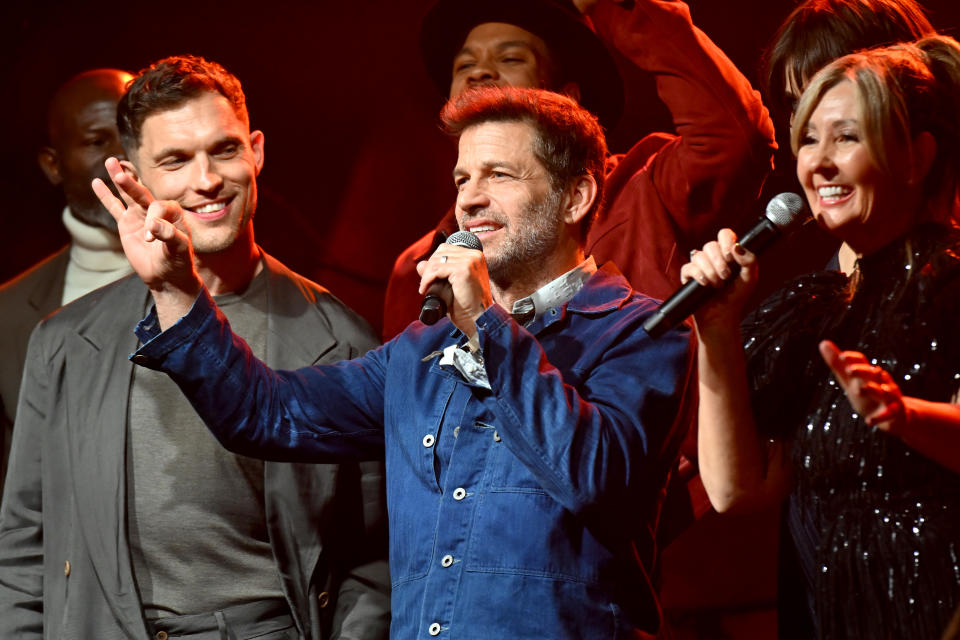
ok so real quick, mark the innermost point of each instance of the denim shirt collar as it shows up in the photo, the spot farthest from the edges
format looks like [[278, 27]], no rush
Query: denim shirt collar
[[608, 290], [553, 294]]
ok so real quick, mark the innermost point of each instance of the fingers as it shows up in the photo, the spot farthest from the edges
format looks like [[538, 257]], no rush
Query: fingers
[[707, 266], [849, 365], [870, 388], [161, 222], [831, 355], [130, 190], [109, 201], [446, 261], [718, 261], [889, 412]]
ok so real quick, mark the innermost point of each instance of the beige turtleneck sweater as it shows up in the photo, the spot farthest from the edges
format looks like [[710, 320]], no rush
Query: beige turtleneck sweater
[[96, 258]]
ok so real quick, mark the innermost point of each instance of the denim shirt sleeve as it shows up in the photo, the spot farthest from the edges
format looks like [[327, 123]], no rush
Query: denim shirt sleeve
[[326, 413], [593, 445]]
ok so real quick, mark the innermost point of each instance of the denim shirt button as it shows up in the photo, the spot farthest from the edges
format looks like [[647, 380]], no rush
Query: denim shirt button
[[459, 493], [446, 561], [496, 437], [140, 359], [428, 440], [434, 629]]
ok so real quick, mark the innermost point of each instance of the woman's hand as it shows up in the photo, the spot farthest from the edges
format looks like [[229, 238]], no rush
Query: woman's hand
[[725, 265], [871, 391]]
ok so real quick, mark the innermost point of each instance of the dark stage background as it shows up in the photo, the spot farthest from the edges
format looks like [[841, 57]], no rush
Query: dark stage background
[[355, 167]]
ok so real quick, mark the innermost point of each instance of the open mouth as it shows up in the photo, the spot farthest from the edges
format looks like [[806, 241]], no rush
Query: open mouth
[[831, 194], [210, 210], [482, 229]]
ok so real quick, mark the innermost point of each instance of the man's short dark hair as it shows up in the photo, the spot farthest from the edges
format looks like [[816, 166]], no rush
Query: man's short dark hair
[[820, 31], [568, 140], [169, 83]]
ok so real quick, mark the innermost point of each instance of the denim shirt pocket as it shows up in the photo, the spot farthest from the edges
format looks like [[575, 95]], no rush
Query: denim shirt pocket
[[504, 471], [520, 529]]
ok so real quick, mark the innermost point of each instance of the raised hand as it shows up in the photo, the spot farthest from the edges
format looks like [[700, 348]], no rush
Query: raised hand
[[154, 235], [871, 391]]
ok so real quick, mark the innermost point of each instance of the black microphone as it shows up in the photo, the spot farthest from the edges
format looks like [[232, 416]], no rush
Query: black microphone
[[784, 212], [434, 304]]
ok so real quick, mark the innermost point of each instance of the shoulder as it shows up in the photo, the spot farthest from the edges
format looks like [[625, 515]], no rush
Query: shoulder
[[295, 294], [802, 305], [941, 246], [118, 301], [608, 311], [609, 290], [47, 271], [626, 164]]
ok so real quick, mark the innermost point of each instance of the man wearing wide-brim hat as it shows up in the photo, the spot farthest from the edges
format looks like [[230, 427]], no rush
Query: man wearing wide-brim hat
[[665, 195]]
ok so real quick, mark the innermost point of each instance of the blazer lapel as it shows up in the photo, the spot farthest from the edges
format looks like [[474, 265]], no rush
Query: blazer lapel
[[99, 376], [297, 336], [297, 333]]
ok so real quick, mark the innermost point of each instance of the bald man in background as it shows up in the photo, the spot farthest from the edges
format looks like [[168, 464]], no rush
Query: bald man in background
[[82, 133]]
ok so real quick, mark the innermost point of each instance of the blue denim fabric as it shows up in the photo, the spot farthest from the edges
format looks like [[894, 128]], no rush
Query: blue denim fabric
[[526, 511]]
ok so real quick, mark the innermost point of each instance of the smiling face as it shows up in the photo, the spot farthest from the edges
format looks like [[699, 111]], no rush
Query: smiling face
[[202, 155], [505, 197], [500, 54], [849, 195]]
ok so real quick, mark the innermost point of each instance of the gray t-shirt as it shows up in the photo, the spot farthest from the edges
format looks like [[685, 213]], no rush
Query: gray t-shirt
[[195, 512]]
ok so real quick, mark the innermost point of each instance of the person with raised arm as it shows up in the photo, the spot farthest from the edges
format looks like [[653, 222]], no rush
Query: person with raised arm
[[839, 393], [528, 435]]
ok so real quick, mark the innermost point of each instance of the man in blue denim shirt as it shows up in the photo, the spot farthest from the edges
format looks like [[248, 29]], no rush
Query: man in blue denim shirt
[[526, 452]]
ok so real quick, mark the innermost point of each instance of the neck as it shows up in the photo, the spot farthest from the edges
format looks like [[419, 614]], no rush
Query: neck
[[230, 270], [847, 258], [523, 284], [870, 240]]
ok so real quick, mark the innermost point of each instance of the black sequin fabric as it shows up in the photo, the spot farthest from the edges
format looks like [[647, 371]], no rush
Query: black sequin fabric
[[876, 525]]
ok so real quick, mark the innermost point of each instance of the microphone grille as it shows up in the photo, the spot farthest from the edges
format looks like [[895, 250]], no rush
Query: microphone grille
[[787, 209], [465, 239]]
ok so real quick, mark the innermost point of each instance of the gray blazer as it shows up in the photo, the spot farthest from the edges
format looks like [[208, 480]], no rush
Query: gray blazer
[[65, 569], [24, 301]]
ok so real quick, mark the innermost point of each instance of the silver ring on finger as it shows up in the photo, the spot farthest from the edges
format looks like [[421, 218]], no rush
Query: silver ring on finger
[[694, 252], [443, 258]]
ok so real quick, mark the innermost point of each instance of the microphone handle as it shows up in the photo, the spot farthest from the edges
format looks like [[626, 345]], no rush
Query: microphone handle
[[760, 236], [692, 295], [679, 306], [434, 307]]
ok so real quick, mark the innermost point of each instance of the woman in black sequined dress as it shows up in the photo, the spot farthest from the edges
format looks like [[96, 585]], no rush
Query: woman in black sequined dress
[[865, 442]]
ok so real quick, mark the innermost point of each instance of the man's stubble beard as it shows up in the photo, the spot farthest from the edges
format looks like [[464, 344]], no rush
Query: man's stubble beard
[[535, 236]]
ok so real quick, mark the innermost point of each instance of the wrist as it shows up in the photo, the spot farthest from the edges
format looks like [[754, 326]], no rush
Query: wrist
[[172, 301], [899, 425]]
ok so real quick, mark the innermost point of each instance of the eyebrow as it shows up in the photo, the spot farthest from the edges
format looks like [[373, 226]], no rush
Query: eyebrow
[[487, 166], [836, 124], [175, 151], [500, 46]]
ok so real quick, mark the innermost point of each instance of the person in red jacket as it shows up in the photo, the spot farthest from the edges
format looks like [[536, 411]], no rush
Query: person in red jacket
[[670, 191]]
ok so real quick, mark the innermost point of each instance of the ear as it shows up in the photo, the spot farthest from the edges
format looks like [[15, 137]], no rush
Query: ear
[[49, 163], [571, 90], [256, 144], [130, 169], [580, 197], [924, 148]]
